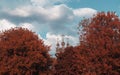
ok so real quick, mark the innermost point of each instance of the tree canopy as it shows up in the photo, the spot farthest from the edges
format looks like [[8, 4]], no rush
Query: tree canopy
[[71, 62], [23, 53], [101, 39], [99, 49]]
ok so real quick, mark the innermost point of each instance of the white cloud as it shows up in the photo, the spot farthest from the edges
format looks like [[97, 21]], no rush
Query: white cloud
[[52, 17], [5, 24], [51, 40], [73, 40], [57, 13], [46, 3], [49, 14], [20, 12], [52, 14], [84, 12], [27, 25]]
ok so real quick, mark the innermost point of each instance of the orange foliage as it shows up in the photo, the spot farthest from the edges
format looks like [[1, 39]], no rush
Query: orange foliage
[[101, 38], [99, 49], [72, 62], [23, 53]]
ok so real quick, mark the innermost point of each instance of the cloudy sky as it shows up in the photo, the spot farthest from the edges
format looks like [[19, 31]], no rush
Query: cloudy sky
[[52, 18]]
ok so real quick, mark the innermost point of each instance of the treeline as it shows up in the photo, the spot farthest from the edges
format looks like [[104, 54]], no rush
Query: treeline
[[23, 53]]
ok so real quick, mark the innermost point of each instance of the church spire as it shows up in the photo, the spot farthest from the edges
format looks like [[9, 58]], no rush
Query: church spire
[[63, 43], [57, 46], [57, 43], [68, 42], [60, 47]]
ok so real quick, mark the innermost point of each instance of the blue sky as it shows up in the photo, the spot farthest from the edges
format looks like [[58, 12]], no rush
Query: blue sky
[[51, 18], [100, 5]]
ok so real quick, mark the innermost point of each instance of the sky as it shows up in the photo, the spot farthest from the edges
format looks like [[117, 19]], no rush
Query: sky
[[52, 18]]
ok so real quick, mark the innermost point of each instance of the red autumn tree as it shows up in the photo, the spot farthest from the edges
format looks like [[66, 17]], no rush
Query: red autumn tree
[[99, 49], [101, 38], [72, 62], [23, 53]]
